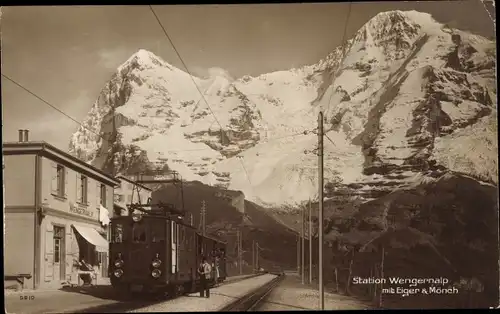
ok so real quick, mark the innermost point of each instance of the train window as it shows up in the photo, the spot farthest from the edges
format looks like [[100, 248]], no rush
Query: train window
[[174, 231], [138, 233], [157, 231], [117, 233]]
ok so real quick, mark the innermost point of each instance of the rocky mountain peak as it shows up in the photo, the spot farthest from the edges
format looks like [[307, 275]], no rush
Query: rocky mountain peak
[[143, 60], [398, 99]]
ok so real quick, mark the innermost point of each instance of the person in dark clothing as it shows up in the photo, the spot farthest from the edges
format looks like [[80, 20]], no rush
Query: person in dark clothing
[[204, 270]]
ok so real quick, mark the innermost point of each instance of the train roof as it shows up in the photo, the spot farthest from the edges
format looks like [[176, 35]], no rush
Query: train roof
[[212, 237], [152, 216], [184, 223]]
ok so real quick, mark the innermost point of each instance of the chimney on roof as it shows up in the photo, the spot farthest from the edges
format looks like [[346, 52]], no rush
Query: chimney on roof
[[21, 136], [26, 136]]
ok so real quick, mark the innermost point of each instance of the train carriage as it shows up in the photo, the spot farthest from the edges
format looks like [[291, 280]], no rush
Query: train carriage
[[215, 250], [151, 252]]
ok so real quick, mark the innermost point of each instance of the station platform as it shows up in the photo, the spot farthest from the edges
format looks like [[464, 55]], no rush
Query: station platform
[[219, 297]]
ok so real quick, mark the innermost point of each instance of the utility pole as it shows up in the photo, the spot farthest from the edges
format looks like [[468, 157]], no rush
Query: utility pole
[[302, 245], [257, 256], [203, 217], [310, 242], [240, 253], [320, 216], [254, 264], [298, 254]]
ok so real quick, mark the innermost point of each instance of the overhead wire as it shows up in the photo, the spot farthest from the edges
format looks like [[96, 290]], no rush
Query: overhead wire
[[245, 170], [329, 139], [99, 135], [185, 66], [196, 85], [342, 61], [42, 100], [492, 3], [343, 47], [187, 70], [194, 82]]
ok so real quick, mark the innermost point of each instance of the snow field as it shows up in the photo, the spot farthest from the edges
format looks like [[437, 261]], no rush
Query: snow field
[[168, 119]]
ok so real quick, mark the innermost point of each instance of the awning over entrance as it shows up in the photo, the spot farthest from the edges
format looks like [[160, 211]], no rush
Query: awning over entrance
[[93, 237]]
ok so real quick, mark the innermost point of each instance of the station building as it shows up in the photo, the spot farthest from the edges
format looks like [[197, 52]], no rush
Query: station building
[[56, 213]]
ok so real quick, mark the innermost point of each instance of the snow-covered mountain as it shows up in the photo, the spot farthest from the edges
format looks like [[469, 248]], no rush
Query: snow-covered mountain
[[405, 96]]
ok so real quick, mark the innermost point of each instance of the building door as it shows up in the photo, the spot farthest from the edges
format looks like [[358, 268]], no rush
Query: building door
[[104, 264], [59, 253]]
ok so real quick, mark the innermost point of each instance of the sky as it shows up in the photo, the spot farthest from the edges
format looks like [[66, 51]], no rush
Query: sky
[[66, 54]]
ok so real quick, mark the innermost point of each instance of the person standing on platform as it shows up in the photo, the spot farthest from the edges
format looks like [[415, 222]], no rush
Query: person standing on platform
[[204, 270]]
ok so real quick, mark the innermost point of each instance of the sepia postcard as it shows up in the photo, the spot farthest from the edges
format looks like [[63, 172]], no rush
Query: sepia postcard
[[250, 157]]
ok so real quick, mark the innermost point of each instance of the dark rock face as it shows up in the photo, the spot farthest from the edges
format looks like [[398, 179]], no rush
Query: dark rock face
[[453, 221]]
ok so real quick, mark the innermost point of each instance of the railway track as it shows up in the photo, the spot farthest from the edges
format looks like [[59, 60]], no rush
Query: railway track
[[252, 300], [134, 304]]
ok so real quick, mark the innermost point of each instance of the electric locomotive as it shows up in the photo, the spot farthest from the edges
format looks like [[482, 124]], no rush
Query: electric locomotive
[[155, 251]]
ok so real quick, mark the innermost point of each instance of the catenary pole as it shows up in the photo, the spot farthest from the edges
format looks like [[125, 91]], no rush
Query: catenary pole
[[320, 215]]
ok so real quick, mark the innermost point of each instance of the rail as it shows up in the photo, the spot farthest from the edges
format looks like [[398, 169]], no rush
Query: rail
[[250, 301]]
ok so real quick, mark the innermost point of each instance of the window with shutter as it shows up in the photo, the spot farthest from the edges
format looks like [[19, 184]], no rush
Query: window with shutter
[[58, 180]]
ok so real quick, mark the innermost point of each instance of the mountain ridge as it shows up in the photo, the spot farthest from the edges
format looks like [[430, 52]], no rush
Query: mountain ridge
[[399, 98]]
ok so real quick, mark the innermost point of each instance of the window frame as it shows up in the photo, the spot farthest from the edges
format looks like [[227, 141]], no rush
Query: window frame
[[84, 185], [61, 180], [117, 226], [174, 232], [139, 227], [155, 227], [103, 192]]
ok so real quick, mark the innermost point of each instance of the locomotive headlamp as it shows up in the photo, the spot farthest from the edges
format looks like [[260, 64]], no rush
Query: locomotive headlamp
[[118, 273], [156, 263], [119, 263], [136, 217], [156, 273]]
